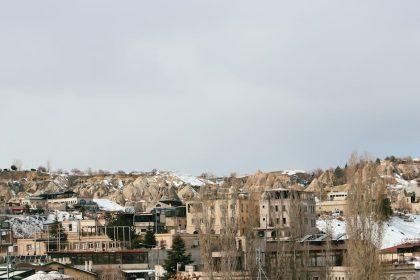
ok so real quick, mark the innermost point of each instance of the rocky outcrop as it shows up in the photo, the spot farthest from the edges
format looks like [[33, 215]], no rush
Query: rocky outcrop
[[128, 189], [121, 188], [273, 180]]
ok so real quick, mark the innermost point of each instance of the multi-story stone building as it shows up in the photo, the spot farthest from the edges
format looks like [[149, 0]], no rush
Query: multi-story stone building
[[220, 211], [286, 212]]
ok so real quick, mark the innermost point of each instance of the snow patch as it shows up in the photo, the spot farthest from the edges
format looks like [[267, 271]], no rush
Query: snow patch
[[409, 186], [188, 179], [108, 205], [293, 172], [396, 230], [26, 226]]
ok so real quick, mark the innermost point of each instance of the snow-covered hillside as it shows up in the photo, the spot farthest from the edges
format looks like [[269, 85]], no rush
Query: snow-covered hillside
[[408, 186], [396, 230]]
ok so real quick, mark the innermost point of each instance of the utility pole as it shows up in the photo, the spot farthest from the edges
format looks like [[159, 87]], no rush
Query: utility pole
[[7, 262], [156, 231], [9, 250]]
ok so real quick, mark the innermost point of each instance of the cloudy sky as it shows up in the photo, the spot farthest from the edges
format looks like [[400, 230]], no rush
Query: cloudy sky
[[214, 86]]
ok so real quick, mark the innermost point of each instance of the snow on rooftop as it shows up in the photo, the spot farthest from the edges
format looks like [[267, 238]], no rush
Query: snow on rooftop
[[62, 216], [108, 205], [336, 227], [396, 230]]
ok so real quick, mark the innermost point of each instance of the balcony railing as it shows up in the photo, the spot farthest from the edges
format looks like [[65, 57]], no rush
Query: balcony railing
[[86, 246]]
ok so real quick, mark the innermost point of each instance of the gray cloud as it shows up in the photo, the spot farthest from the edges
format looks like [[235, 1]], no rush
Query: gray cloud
[[207, 85]]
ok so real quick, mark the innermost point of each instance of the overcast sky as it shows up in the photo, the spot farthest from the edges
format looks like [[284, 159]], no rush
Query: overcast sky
[[215, 86]]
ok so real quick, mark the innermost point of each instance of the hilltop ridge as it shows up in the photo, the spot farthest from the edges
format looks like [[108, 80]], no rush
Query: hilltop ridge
[[402, 175]]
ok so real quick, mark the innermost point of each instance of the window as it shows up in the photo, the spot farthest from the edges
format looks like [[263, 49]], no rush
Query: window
[[311, 209], [284, 221], [70, 227], [312, 223], [277, 221], [29, 247], [283, 208], [306, 221], [277, 208], [273, 234]]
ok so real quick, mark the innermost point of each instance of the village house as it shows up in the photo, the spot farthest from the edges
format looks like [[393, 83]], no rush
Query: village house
[[167, 214], [336, 202]]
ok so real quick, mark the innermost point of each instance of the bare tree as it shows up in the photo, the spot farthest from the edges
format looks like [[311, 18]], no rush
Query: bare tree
[[18, 163], [89, 171], [207, 175], [204, 222], [363, 219], [228, 203], [41, 169], [76, 171], [111, 273]]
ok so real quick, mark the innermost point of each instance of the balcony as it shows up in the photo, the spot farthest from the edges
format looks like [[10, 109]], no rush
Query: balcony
[[88, 246]]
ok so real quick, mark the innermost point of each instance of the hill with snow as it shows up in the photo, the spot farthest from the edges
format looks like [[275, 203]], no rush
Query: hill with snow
[[396, 230]]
